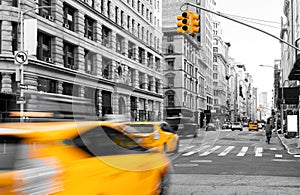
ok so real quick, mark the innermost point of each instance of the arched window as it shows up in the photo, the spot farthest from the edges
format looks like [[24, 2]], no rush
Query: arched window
[[170, 49]]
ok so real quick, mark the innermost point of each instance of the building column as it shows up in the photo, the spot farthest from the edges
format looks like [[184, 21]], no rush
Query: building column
[[115, 102], [58, 50], [113, 41], [99, 102], [6, 36], [146, 108], [81, 91], [57, 12], [136, 78], [6, 82], [152, 84], [98, 32], [79, 59], [60, 87], [160, 86], [127, 107], [98, 65], [79, 23]]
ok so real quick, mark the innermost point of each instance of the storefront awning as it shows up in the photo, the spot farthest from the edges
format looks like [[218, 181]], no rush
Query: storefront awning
[[290, 94]]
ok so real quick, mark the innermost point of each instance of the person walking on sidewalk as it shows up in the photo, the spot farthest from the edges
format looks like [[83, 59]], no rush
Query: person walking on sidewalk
[[268, 130]]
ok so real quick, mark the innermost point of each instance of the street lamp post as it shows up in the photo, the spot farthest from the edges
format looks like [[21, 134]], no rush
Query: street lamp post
[[21, 21]]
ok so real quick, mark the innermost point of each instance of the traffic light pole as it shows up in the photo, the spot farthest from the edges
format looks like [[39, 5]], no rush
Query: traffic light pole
[[237, 21]]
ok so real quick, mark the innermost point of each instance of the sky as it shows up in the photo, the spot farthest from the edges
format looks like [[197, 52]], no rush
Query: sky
[[251, 47]]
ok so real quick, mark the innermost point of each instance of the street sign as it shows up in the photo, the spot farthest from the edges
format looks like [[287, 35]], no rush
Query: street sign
[[21, 102], [23, 86], [21, 57]]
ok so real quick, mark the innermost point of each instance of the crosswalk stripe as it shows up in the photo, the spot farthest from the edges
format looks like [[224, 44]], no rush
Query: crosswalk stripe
[[195, 151], [258, 151], [243, 151], [278, 155], [226, 151], [210, 151], [273, 148]]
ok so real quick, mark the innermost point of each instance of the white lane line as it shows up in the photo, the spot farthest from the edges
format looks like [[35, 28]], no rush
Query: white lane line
[[258, 151], [243, 151], [278, 155], [186, 165], [297, 155], [195, 151], [226, 151], [283, 160], [210, 151], [189, 147], [273, 148], [200, 161]]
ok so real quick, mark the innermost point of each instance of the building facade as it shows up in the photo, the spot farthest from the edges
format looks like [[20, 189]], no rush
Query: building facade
[[106, 51]]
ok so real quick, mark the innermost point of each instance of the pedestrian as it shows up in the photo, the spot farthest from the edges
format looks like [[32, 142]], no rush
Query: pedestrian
[[268, 130]]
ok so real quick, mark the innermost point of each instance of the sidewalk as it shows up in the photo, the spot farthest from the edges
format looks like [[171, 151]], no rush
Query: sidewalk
[[291, 144]]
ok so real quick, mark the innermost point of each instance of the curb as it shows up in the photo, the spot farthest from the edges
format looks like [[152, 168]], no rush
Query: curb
[[285, 146]]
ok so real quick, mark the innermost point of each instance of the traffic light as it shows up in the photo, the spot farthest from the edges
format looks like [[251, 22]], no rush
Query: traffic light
[[258, 109], [185, 23], [195, 24]]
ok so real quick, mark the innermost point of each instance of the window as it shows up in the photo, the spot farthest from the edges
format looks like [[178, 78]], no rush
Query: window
[[141, 55], [88, 61], [106, 71], [14, 35], [141, 80], [170, 38], [132, 26], [131, 50], [46, 85], [116, 14], [215, 76], [170, 49], [89, 28], [215, 59], [69, 13], [138, 30], [215, 68], [43, 11], [170, 81], [171, 102], [128, 22], [89, 93], [122, 18], [170, 64], [106, 33], [15, 3], [120, 44], [108, 9], [143, 9], [90, 3], [215, 49], [70, 89], [44, 47], [69, 55], [138, 6]]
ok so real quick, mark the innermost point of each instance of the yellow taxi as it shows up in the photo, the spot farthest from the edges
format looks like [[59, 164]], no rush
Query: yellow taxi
[[77, 158], [154, 134], [253, 126]]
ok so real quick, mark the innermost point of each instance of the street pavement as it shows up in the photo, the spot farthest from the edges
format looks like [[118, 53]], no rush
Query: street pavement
[[236, 162]]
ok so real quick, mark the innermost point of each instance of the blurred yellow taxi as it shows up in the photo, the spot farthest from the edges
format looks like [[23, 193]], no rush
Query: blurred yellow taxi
[[77, 158], [154, 134]]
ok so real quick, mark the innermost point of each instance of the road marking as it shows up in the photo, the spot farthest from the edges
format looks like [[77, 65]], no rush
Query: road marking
[[273, 148], [243, 151], [195, 151], [278, 155], [297, 155], [200, 161], [226, 151], [258, 151], [186, 165], [190, 147], [210, 151], [283, 160]]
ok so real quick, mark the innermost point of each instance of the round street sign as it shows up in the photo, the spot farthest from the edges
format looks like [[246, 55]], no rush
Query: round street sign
[[21, 57]]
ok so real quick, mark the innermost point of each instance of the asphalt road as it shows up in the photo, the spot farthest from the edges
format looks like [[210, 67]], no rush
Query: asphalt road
[[234, 162]]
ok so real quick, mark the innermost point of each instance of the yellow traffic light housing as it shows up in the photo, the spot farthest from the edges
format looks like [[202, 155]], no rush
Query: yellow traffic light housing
[[195, 24], [185, 23]]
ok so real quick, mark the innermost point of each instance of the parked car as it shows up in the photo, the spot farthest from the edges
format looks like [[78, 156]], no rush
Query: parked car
[[226, 125], [210, 127], [154, 134], [236, 126], [77, 158]]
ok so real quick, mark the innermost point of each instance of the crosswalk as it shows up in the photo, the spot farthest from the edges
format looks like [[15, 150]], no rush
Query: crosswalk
[[222, 151]]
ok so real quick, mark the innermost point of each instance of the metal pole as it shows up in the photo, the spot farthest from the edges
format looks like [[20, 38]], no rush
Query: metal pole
[[22, 69], [283, 101], [237, 21]]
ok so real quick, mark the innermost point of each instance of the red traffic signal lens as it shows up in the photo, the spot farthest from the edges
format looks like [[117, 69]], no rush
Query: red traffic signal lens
[[184, 14]]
